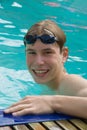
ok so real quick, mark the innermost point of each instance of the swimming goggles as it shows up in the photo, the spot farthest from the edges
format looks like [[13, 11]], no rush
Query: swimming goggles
[[45, 38]]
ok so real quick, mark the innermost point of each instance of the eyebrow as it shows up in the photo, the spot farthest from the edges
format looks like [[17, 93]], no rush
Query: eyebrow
[[47, 49], [29, 49]]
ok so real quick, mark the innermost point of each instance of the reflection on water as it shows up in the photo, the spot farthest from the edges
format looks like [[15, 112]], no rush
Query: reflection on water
[[15, 18]]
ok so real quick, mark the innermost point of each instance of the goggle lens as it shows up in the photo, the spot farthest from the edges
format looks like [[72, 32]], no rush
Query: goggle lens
[[46, 39]]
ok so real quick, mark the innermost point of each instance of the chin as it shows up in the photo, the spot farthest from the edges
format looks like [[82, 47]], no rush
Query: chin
[[40, 81]]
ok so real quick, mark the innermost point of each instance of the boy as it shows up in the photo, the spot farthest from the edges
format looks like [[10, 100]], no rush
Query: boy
[[45, 57]]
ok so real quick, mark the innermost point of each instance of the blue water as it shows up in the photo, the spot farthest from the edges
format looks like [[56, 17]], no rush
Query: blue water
[[15, 18]]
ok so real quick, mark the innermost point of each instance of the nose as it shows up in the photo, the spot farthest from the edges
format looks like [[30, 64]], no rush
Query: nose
[[39, 60]]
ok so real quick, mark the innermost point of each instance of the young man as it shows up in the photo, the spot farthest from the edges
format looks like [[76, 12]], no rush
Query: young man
[[45, 56]]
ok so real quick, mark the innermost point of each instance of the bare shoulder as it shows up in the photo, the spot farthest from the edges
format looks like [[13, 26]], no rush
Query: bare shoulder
[[75, 78], [75, 85]]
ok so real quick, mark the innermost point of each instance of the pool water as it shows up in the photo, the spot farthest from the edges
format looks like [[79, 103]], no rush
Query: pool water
[[15, 18]]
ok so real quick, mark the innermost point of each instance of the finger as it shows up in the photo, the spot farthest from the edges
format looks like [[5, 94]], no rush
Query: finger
[[27, 99], [24, 112], [20, 102], [16, 108], [24, 101]]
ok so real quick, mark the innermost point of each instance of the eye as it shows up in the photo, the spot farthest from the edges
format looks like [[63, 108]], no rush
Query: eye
[[48, 52], [31, 52]]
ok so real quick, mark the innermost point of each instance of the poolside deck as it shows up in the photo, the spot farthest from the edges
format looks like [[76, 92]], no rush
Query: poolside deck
[[73, 124]]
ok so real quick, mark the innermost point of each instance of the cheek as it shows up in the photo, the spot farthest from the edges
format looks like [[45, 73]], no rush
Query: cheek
[[57, 64], [56, 60], [28, 60]]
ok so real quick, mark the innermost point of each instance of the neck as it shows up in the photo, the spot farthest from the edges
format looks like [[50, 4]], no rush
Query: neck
[[55, 83]]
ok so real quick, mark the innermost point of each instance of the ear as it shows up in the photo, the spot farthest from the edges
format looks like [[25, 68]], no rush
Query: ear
[[64, 54]]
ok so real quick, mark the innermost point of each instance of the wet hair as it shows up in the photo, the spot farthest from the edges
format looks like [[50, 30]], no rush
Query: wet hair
[[47, 27]]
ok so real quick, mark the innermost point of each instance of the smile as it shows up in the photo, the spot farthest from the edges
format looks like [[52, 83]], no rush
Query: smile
[[40, 73]]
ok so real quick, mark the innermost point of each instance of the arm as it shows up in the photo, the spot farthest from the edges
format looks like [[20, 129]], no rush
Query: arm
[[76, 106], [73, 105]]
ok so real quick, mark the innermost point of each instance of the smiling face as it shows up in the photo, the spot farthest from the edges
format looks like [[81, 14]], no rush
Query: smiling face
[[45, 62]]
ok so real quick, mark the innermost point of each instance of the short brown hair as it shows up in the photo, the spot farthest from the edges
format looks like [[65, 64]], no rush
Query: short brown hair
[[39, 28]]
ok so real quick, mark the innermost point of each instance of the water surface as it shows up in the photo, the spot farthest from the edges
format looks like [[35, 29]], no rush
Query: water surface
[[15, 18]]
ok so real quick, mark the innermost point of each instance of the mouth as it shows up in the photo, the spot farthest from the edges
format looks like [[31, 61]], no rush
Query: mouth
[[40, 73]]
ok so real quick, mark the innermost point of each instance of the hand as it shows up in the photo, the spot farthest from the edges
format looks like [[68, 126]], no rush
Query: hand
[[32, 105]]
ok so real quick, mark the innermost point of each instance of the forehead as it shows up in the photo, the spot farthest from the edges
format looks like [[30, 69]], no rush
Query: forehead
[[38, 46]]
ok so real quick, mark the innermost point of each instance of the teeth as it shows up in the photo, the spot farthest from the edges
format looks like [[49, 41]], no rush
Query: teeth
[[40, 72]]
